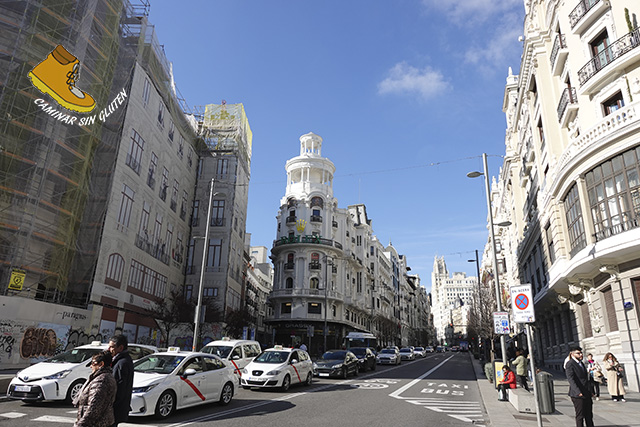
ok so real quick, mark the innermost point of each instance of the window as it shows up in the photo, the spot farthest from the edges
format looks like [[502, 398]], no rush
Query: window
[[289, 283], [165, 184], [190, 156], [549, 235], [217, 213], [222, 167], [153, 166], [161, 114], [134, 156], [610, 308], [541, 133], [200, 167], [180, 146], [600, 50], [174, 195], [135, 274], [188, 292], [168, 240], [285, 308], [144, 222], [612, 104], [575, 225], [209, 292], [314, 308], [161, 285], [190, 269], [172, 129], [314, 283], [196, 211], [146, 91], [124, 216], [115, 267], [214, 254]]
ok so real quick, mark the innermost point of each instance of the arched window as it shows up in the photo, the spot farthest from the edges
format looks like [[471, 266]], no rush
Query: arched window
[[314, 283], [289, 283], [317, 201], [115, 267]]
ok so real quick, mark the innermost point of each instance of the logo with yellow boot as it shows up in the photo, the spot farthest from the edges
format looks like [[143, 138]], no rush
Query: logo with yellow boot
[[57, 76]]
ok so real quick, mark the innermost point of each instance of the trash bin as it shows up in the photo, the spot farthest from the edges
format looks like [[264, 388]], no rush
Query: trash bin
[[546, 396]]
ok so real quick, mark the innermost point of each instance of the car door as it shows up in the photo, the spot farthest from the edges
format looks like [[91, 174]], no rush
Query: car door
[[193, 389], [235, 358], [295, 364], [216, 376]]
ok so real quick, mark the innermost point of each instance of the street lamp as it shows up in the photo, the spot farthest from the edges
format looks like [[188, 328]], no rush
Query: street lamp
[[196, 327], [479, 290], [503, 341]]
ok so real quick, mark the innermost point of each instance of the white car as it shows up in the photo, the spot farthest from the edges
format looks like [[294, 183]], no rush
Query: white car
[[406, 353], [420, 351], [164, 382], [278, 367], [388, 356], [62, 376]]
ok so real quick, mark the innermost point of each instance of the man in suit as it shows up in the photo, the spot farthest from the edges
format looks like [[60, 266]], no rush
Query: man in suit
[[579, 389]]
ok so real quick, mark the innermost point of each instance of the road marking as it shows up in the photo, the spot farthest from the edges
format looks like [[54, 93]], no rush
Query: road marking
[[466, 411], [13, 415], [370, 386], [404, 388], [54, 419]]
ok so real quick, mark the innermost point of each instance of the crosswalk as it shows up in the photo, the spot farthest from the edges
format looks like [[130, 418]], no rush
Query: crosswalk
[[56, 419], [466, 411]]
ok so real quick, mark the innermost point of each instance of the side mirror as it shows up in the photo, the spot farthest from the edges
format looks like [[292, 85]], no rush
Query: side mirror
[[236, 357], [189, 372], [294, 361]]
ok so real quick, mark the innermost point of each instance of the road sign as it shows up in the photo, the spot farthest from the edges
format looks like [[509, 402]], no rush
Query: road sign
[[17, 279], [501, 322], [522, 304]]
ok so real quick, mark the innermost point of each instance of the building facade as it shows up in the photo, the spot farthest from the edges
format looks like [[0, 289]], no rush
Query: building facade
[[569, 183]]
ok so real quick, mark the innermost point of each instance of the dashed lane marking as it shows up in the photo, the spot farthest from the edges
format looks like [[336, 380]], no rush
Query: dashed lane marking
[[54, 419], [13, 415]]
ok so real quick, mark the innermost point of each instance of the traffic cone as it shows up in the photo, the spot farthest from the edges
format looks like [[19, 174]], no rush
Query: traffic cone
[[57, 75]]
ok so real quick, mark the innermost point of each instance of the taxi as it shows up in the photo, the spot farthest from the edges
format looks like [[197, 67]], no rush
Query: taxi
[[62, 376], [164, 382], [278, 367]]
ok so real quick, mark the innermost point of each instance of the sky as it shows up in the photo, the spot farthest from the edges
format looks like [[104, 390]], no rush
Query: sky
[[406, 94]]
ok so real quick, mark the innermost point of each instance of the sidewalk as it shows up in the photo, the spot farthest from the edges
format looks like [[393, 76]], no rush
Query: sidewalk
[[607, 413]]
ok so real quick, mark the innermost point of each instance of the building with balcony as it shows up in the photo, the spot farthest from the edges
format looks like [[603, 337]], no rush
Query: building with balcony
[[259, 283], [569, 183], [329, 266]]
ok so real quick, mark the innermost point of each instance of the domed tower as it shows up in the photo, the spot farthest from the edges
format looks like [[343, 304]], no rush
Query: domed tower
[[308, 246]]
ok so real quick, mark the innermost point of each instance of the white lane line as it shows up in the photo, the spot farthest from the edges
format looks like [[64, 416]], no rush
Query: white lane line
[[55, 419], [13, 415], [405, 387]]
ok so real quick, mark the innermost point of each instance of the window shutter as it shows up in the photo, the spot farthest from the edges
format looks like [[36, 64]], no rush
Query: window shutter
[[586, 320], [610, 307]]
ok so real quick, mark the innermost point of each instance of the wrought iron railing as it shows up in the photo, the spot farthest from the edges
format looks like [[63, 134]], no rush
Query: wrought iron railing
[[316, 218], [133, 163], [560, 42], [568, 97], [615, 50], [583, 7], [629, 223]]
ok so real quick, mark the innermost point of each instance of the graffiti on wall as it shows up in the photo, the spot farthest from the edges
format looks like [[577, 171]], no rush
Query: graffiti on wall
[[77, 337], [6, 344], [38, 342]]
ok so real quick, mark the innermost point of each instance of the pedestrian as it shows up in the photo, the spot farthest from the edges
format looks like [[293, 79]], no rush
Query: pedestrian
[[595, 375], [95, 400], [614, 377], [303, 347], [508, 381], [521, 365], [123, 373], [579, 389]]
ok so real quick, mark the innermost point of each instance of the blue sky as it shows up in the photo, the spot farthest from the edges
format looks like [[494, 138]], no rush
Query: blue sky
[[407, 95]]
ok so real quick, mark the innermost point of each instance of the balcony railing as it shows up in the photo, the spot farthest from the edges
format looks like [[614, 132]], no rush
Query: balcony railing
[[289, 265], [157, 250], [133, 163], [334, 224], [151, 181], [615, 50], [316, 218], [173, 205], [217, 222], [568, 97], [629, 223], [183, 212], [315, 266], [163, 193], [284, 240], [583, 7], [291, 219], [560, 42]]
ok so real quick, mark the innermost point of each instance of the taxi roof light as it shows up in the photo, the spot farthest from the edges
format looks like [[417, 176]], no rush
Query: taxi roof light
[[96, 343], [278, 347], [173, 349]]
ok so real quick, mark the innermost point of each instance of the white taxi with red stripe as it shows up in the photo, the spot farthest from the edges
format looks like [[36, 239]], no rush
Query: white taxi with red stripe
[[278, 367], [164, 382]]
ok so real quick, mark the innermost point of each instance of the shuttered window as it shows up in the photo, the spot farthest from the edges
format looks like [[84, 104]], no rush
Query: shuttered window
[[586, 320], [610, 308]]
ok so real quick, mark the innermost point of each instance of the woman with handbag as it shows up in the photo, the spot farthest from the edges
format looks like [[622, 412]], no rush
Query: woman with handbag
[[614, 377], [595, 375]]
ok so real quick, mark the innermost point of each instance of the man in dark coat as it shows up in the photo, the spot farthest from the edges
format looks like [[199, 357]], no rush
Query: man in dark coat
[[579, 389], [122, 366]]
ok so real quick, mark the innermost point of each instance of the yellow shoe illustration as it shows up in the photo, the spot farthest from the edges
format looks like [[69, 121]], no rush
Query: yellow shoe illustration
[[57, 75]]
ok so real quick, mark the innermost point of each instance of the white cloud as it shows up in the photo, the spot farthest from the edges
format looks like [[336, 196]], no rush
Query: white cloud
[[461, 11], [404, 79], [497, 47]]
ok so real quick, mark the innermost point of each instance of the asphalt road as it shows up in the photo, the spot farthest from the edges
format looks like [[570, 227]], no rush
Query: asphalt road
[[438, 390]]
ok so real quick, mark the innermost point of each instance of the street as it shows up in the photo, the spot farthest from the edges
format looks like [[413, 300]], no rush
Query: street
[[439, 389]]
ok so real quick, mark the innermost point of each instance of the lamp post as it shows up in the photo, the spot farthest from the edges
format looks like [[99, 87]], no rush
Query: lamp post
[[196, 328], [503, 341], [479, 294], [328, 262]]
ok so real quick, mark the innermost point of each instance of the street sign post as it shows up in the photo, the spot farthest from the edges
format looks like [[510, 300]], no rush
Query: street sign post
[[522, 304], [501, 322]]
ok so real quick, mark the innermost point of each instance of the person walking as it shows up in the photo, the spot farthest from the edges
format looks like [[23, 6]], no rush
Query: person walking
[[521, 365], [579, 389], [123, 373], [595, 375], [508, 381], [95, 400], [614, 377]]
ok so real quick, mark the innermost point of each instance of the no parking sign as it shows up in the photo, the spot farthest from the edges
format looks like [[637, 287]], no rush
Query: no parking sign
[[522, 304]]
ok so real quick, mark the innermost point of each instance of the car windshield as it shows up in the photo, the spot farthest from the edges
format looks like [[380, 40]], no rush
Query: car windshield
[[272, 357], [158, 364], [359, 351], [419, 348], [334, 355], [221, 351], [388, 351], [405, 350], [77, 355]]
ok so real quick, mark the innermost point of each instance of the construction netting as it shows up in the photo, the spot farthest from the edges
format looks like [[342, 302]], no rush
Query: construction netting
[[226, 127]]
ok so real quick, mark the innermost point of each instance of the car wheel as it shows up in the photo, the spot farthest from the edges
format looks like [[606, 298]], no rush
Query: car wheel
[[166, 404], [226, 394], [309, 379], [286, 383], [344, 373], [74, 390]]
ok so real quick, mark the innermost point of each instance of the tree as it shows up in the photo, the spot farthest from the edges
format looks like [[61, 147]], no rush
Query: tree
[[236, 321]]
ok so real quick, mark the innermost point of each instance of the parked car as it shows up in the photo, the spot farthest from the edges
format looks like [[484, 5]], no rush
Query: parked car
[[440, 349], [164, 382], [278, 367], [388, 356], [366, 358], [337, 363], [420, 351], [239, 353], [407, 354], [429, 349], [62, 376]]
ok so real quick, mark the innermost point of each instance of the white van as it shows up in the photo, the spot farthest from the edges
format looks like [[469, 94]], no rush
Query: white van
[[237, 352]]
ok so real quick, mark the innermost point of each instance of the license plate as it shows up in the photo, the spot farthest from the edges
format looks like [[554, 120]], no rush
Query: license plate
[[23, 388], [323, 375]]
